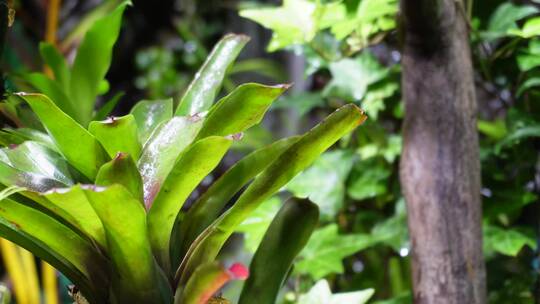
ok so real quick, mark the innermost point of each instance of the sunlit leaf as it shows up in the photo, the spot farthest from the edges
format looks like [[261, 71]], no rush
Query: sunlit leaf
[[202, 91]]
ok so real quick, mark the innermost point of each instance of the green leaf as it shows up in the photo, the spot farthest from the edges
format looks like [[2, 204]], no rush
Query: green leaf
[[53, 90], [368, 179], [149, 114], [287, 235], [257, 223], [325, 250], [57, 63], [207, 280], [32, 157], [303, 102], [93, 61], [202, 91], [117, 135], [527, 85], [508, 242], [321, 294], [352, 76], [292, 23], [162, 150], [77, 145], [529, 59], [134, 278], [58, 245], [73, 202], [192, 167], [530, 29], [108, 107], [518, 135], [26, 134], [299, 156], [122, 170], [504, 19], [209, 206], [324, 182], [241, 109]]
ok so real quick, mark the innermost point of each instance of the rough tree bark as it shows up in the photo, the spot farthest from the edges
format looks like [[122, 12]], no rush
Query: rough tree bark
[[440, 167]]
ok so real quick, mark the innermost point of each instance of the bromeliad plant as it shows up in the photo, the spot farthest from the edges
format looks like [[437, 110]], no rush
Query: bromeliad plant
[[102, 203]]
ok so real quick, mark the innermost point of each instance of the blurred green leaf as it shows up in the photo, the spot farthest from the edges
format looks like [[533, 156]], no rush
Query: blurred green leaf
[[57, 63], [530, 29], [324, 182], [504, 19], [368, 179], [327, 248], [507, 242], [320, 293], [352, 76], [92, 63], [292, 23], [257, 223], [518, 135]]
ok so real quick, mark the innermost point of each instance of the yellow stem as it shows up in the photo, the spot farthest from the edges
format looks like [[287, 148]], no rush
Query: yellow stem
[[49, 283], [31, 276], [52, 21], [15, 268], [51, 27]]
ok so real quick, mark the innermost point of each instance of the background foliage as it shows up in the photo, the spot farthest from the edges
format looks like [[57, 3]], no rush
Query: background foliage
[[340, 52]]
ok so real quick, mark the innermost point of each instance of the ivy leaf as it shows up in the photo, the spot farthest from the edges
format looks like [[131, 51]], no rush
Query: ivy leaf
[[530, 58], [326, 248], [255, 226], [352, 76], [324, 182], [530, 29], [369, 179], [504, 19], [291, 23], [508, 242], [321, 294], [296, 21]]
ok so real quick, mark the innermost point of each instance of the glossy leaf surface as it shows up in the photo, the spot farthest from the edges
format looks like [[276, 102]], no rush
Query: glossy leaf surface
[[149, 114], [241, 109], [287, 235], [202, 91], [209, 206], [162, 150], [299, 156], [192, 167], [77, 145], [117, 135], [134, 278]]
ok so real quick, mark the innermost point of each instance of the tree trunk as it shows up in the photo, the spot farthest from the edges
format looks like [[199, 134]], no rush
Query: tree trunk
[[440, 167]]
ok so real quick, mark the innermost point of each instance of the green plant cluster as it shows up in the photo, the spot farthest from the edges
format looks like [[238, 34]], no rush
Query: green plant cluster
[[101, 200]]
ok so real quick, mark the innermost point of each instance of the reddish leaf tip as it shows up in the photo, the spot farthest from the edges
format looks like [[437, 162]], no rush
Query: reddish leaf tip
[[239, 271]]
